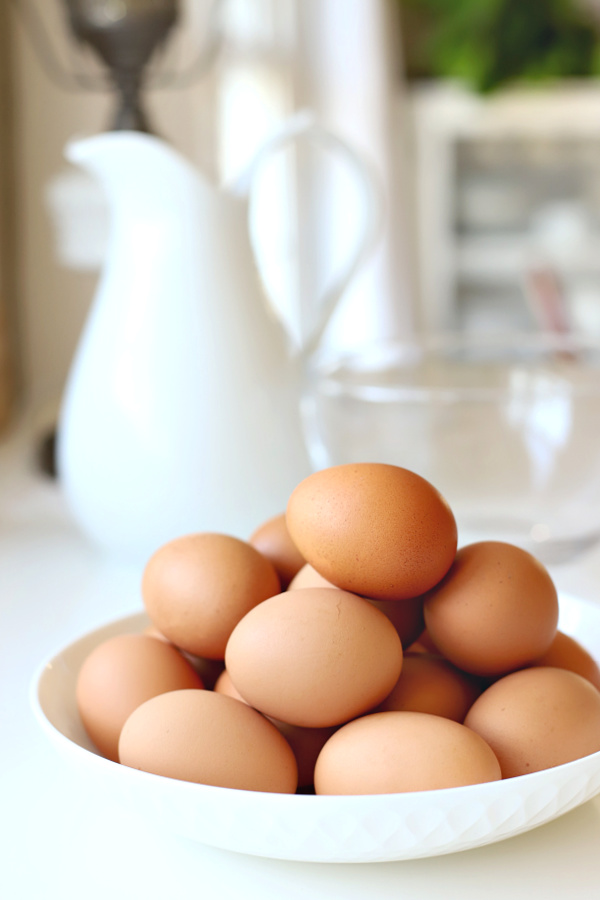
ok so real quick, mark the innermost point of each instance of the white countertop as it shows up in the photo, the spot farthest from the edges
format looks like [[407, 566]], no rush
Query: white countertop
[[58, 842]]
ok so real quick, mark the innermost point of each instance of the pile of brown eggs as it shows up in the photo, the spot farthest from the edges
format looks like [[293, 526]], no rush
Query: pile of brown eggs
[[347, 647]]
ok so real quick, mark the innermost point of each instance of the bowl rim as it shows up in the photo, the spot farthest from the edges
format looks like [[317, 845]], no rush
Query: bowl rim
[[362, 828], [323, 800]]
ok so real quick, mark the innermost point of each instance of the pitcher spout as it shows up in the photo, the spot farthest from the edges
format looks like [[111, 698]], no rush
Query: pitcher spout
[[135, 167]]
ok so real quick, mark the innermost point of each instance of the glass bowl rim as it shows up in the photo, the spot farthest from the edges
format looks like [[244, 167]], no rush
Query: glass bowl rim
[[325, 372]]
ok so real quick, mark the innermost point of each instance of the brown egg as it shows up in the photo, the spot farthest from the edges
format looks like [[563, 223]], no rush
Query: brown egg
[[273, 540], [208, 738], [306, 743], [224, 685], [314, 657], [406, 616], [197, 588], [119, 675], [395, 752], [430, 684], [538, 718], [424, 644], [495, 611], [208, 669], [373, 529], [308, 577], [567, 653]]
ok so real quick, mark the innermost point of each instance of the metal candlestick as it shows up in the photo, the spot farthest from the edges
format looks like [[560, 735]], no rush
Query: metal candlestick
[[125, 34]]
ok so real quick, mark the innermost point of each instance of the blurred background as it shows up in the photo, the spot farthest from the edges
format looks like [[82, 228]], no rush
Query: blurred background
[[480, 117]]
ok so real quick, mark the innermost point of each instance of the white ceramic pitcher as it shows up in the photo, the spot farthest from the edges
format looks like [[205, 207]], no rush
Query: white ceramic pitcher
[[180, 412]]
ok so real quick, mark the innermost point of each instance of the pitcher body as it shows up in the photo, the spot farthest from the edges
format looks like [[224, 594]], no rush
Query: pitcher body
[[180, 411]]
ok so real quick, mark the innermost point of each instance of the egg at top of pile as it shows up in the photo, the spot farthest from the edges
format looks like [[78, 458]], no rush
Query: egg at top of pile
[[374, 529]]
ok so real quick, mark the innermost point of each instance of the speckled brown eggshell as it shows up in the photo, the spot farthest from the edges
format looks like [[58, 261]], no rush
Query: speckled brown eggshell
[[538, 718], [208, 738], [396, 752], [119, 675], [314, 657], [196, 589], [567, 653], [406, 617], [495, 611], [430, 684], [273, 540], [377, 530]]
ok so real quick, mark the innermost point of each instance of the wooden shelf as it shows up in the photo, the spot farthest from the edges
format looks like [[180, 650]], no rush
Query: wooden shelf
[[444, 119]]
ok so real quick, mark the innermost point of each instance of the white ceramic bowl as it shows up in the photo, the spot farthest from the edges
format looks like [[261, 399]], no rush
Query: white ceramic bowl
[[318, 828]]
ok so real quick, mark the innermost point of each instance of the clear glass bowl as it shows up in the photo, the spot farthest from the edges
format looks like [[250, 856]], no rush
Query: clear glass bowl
[[507, 427]]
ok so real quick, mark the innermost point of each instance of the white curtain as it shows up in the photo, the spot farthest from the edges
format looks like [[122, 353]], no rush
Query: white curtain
[[339, 59]]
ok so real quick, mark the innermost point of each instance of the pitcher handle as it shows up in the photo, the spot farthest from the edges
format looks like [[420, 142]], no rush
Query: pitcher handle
[[304, 124]]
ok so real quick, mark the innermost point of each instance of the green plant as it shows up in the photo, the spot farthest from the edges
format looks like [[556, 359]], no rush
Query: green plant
[[490, 43]]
